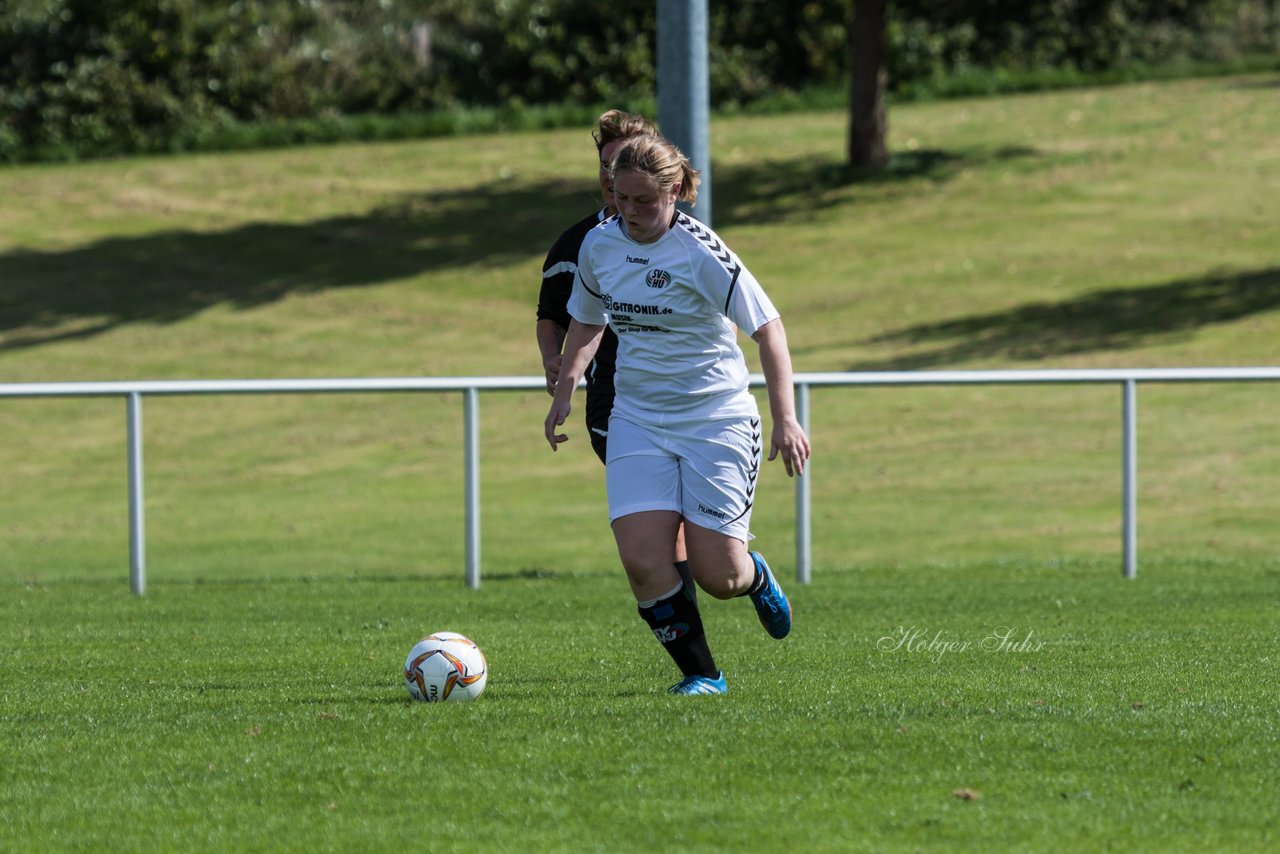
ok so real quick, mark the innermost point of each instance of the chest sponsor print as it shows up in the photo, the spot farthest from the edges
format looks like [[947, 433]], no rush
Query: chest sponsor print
[[619, 308]]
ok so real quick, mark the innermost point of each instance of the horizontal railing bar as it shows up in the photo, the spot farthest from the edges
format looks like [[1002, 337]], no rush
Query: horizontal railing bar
[[1008, 377], [355, 385], [295, 386]]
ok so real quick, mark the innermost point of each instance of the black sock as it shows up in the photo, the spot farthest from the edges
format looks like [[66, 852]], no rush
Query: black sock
[[686, 575], [677, 625], [757, 584]]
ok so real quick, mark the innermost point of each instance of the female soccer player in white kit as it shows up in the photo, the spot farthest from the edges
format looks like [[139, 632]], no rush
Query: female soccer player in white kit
[[558, 273], [685, 434]]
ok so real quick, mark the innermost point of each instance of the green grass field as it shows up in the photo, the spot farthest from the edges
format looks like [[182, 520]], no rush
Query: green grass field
[[298, 546], [225, 715]]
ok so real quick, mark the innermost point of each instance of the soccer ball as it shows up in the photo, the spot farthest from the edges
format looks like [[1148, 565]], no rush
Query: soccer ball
[[445, 666]]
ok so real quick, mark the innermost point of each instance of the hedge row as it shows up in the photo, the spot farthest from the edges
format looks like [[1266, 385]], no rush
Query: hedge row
[[91, 78]]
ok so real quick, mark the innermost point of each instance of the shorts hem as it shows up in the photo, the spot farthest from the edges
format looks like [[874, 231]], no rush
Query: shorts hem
[[729, 531], [642, 452], [644, 507]]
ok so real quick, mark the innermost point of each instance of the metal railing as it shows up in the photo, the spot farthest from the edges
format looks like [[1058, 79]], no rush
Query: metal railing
[[134, 392]]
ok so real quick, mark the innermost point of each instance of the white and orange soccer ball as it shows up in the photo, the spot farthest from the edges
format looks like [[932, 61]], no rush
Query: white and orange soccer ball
[[445, 666]]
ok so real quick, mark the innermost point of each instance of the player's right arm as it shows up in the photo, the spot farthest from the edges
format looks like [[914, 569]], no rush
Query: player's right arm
[[551, 344], [553, 298], [580, 347]]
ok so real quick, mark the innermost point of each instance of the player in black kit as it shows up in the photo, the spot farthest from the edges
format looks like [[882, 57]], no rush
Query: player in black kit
[[557, 283]]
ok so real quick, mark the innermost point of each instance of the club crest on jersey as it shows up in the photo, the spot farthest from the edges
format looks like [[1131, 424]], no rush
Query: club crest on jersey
[[667, 634], [657, 278]]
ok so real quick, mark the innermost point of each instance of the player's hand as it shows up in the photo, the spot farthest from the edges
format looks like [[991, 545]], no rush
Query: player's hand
[[556, 417], [790, 441], [552, 368]]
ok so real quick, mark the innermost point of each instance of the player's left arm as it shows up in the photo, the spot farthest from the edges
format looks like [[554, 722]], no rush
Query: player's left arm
[[788, 437]]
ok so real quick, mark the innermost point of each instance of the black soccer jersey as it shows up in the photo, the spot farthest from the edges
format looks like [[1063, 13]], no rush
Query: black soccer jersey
[[558, 272]]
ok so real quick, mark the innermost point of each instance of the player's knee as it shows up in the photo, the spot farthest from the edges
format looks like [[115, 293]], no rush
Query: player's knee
[[721, 588], [721, 585], [722, 573], [639, 562]]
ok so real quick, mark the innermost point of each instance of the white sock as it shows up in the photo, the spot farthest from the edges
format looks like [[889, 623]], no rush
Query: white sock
[[649, 603]]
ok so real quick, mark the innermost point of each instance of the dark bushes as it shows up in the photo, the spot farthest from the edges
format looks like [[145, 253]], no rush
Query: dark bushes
[[86, 78]]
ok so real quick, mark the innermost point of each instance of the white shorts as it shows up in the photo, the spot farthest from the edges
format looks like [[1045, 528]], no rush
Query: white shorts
[[704, 470]]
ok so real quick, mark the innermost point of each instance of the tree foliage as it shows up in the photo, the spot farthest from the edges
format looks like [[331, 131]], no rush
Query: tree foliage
[[96, 77]]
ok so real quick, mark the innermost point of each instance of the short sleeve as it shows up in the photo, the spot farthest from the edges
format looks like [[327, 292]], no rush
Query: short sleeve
[[747, 305], [586, 304]]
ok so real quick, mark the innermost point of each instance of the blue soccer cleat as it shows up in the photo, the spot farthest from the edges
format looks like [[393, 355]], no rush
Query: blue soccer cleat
[[701, 685], [771, 603]]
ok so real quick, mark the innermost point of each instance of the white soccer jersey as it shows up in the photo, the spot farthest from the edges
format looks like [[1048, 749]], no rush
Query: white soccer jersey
[[673, 304]]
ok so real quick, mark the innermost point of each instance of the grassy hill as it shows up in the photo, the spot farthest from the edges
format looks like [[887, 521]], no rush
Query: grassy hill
[[1130, 226]]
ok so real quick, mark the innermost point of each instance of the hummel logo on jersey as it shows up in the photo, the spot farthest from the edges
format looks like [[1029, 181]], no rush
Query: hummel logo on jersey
[[631, 260], [657, 278]]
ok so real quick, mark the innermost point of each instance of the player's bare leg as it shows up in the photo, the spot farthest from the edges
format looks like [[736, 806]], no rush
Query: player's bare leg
[[646, 545], [725, 568]]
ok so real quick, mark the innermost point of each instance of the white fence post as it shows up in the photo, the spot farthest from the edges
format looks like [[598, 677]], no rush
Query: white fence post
[[137, 510], [1129, 501], [471, 426], [804, 522]]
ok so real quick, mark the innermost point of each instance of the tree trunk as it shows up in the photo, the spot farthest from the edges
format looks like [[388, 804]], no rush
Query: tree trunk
[[868, 125]]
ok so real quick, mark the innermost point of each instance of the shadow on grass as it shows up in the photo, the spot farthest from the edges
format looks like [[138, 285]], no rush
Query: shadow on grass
[[1117, 319], [1265, 83], [781, 190], [167, 277], [162, 278], [534, 574]]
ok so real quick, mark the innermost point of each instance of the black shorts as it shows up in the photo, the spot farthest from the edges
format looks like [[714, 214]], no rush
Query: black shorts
[[599, 408]]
